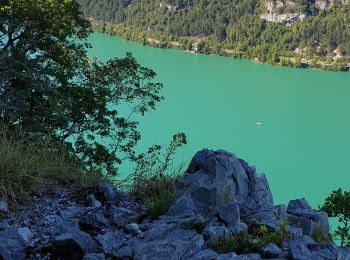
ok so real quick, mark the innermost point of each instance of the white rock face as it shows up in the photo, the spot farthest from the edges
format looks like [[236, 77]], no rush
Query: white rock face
[[323, 4], [170, 7], [286, 12], [288, 18], [275, 12], [326, 4]]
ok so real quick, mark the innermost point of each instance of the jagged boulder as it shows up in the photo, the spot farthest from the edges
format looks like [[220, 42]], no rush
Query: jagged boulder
[[298, 248], [324, 251], [58, 224], [192, 222], [306, 248], [176, 244], [217, 183], [270, 251], [93, 221], [108, 192], [120, 216], [300, 214], [216, 229], [133, 229], [163, 240], [94, 203], [111, 241], [73, 245]]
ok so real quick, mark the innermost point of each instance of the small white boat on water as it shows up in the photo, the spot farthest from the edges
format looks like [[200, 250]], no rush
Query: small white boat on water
[[259, 124]]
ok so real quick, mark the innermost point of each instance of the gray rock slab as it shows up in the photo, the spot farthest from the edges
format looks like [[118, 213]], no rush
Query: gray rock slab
[[206, 254], [73, 245], [270, 251], [111, 241], [92, 256]]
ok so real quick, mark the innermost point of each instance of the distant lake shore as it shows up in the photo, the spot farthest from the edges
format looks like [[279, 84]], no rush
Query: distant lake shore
[[157, 40]]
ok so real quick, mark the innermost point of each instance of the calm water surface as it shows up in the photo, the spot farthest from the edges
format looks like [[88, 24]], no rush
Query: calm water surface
[[303, 145]]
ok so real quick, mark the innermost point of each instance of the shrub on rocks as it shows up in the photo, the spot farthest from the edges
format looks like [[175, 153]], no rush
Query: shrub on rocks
[[161, 198], [154, 178], [252, 241], [240, 243]]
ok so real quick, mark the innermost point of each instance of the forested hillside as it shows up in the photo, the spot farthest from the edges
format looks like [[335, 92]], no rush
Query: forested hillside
[[300, 32]]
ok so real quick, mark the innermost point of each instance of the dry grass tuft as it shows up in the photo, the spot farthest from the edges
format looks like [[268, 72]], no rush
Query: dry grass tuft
[[29, 166]]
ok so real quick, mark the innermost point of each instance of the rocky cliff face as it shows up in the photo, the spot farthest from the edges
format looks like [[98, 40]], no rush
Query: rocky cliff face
[[281, 11], [218, 196], [290, 11]]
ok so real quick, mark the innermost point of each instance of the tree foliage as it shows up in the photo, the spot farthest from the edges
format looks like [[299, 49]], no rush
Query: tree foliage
[[337, 205], [51, 87]]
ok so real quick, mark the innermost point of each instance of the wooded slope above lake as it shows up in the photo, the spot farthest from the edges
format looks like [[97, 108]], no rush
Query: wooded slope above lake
[[299, 32]]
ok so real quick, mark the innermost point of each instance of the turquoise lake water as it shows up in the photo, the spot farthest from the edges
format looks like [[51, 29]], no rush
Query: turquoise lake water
[[303, 144]]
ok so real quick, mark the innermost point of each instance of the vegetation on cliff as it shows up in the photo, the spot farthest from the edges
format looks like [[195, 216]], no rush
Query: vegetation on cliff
[[49, 85], [251, 241], [230, 28], [61, 108]]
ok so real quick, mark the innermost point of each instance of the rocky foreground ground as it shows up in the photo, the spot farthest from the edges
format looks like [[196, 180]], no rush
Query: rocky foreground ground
[[219, 195]]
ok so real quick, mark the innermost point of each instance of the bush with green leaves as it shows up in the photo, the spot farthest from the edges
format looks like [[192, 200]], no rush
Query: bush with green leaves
[[240, 244], [51, 87], [250, 241], [161, 197], [264, 235], [337, 205]]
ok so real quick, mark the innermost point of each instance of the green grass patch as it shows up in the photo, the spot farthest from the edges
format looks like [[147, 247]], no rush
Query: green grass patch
[[157, 193], [153, 182]]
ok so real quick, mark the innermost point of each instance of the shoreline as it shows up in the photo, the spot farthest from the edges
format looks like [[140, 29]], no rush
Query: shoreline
[[293, 61]]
